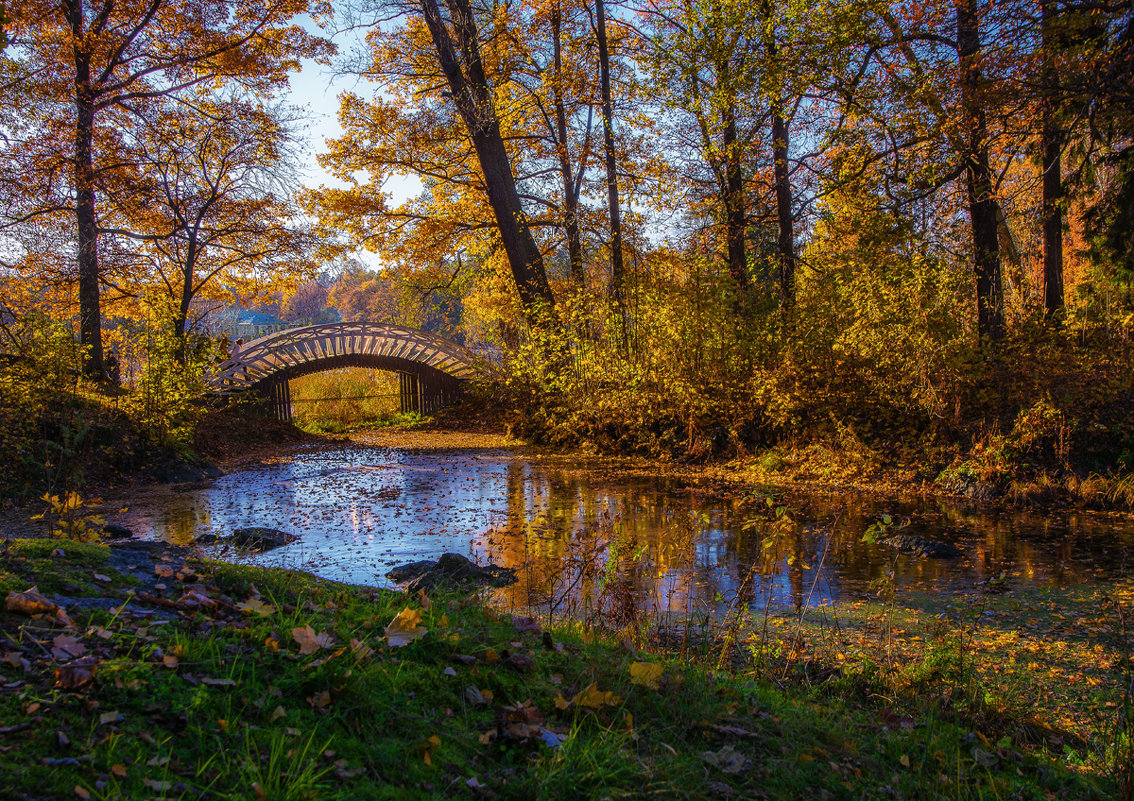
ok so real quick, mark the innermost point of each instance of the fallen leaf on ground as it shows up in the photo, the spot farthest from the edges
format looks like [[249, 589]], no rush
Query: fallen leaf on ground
[[594, 698], [32, 602], [309, 641], [727, 759], [76, 674], [526, 624], [646, 674], [256, 606], [361, 650], [66, 647], [404, 628], [194, 599], [164, 571]]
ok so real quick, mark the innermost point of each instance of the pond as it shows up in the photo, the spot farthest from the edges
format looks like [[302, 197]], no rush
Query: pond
[[584, 540]]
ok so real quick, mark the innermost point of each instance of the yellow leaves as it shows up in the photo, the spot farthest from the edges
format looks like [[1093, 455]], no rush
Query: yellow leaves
[[254, 606], [594, 698], [428, 747], [404, 628], [646, 674]]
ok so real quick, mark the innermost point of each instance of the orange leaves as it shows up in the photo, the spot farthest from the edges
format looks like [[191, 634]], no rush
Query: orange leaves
[[34, 604]]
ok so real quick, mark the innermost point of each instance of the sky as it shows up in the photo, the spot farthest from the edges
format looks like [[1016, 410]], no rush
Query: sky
[[316, 88]]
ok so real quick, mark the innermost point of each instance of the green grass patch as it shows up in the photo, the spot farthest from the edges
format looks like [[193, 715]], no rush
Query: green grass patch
[[241, 682]]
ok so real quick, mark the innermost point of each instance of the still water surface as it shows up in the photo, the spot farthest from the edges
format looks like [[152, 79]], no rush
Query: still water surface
[[584, 541]]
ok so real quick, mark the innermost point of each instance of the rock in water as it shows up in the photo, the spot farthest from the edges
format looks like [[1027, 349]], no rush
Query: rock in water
[[261, 539], [116, 531], [451, 571], [914, 545], [403, 573]]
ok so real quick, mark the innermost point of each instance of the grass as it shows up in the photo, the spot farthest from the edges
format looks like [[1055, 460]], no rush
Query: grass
[[350, 399], [241, 682]]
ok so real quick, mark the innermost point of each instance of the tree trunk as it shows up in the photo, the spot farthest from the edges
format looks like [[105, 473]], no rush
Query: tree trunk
[[785, 237], [473, 98], [570, 192], [617, 271], [982, 205], [1051, 143], [90, 317], [785, 240], [736, 218], [188, 268]]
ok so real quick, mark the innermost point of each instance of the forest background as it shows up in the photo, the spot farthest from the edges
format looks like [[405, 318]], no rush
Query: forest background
[[836, 237]]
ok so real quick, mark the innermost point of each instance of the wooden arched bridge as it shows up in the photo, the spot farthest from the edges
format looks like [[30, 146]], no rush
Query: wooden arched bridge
[[431, 369]]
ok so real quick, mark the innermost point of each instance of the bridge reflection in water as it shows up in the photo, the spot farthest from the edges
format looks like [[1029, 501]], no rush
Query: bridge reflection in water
[[432, 370]]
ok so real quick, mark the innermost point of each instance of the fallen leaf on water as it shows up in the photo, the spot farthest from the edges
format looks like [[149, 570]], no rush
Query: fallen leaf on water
[[404, 628], [646, 674], [309, 641], [66, 647]]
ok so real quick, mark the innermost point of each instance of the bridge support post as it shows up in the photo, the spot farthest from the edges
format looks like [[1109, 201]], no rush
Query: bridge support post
[[279, 397], [409, 393]]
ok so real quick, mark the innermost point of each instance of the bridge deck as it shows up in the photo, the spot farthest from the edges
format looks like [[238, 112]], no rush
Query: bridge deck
[[315, 348]]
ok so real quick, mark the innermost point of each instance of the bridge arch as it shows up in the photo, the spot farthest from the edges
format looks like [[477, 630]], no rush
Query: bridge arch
[[432, 369]]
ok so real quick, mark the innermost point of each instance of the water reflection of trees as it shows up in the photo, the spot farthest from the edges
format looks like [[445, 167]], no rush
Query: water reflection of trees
[[638, 549]]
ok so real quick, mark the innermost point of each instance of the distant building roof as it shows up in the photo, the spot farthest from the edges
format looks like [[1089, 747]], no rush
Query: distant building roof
[[238, 316]]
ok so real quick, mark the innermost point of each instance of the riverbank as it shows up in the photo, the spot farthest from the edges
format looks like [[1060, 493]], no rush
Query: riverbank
[[147, 672]]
